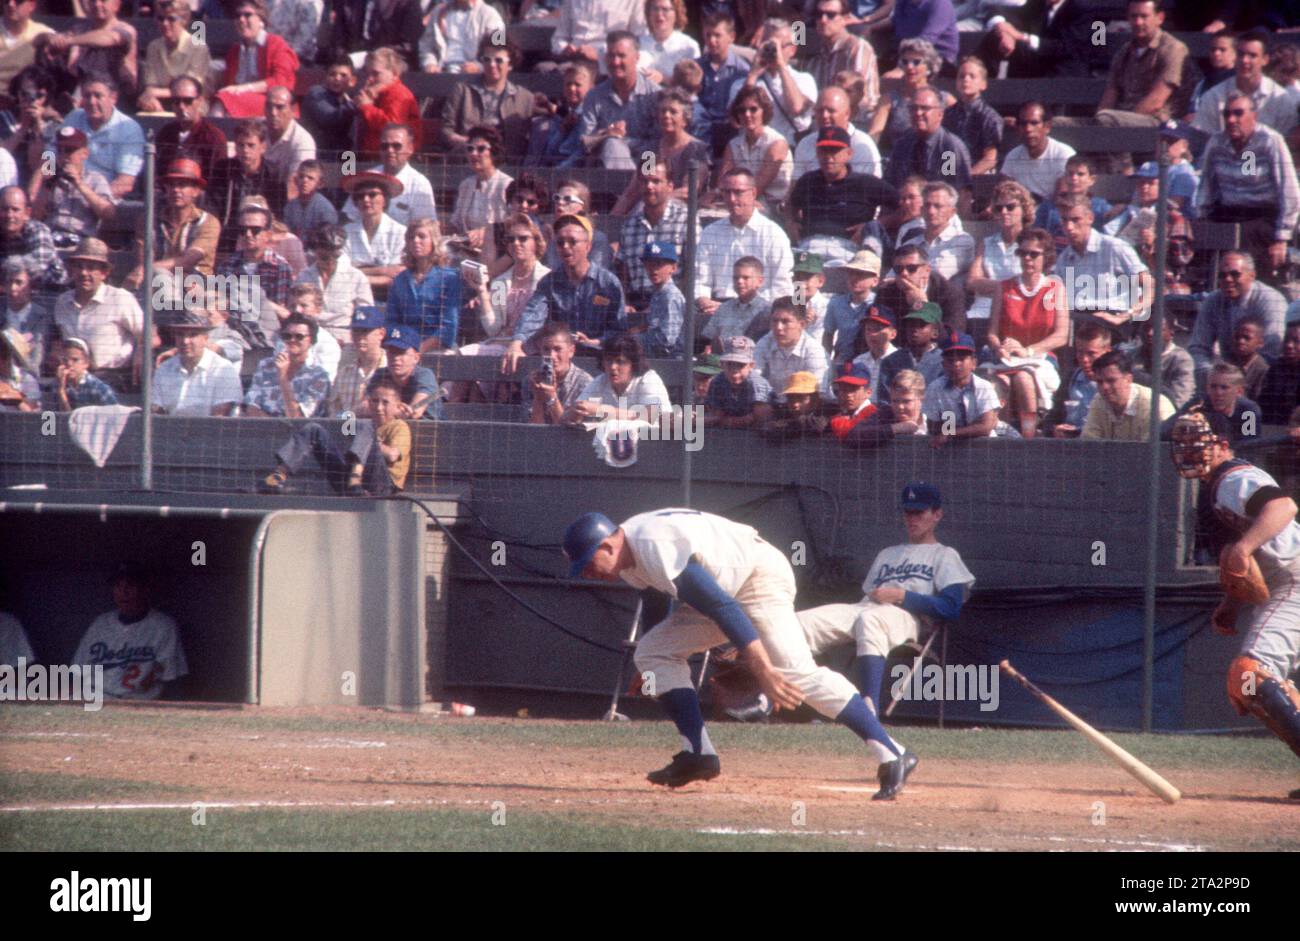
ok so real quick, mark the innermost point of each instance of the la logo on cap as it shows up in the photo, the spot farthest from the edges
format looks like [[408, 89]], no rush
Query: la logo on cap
[[911, 494]]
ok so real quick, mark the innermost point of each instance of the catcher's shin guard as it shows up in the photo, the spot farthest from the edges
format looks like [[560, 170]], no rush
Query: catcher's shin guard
[[1273, 701]]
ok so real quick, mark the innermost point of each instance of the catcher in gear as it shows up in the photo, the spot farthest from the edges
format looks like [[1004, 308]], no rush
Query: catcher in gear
[[1259, 563]]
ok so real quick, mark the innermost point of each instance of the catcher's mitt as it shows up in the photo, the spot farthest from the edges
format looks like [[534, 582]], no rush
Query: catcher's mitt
[[732, 685], [1247, 587]]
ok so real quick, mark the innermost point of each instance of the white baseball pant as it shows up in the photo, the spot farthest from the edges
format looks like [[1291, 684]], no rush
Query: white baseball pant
[[874, 628], [1273, 628]]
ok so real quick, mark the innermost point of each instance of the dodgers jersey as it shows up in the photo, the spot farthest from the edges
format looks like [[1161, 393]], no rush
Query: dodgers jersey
[[664, 541], [137, 658], [926, 568], [1232, 505]]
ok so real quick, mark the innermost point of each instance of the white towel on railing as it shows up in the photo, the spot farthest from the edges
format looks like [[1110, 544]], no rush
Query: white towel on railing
[[96, 429], [615, 440]]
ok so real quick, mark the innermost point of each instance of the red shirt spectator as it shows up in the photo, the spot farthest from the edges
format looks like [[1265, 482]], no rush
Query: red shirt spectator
[[254, 65], [384, 100]]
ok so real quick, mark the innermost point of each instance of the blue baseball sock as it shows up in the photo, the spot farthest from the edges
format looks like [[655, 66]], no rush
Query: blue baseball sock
[[861, 718], [683, 707], [870, 670]]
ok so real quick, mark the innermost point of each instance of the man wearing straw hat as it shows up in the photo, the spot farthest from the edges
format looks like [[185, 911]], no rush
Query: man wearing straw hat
[[108, 319], [196, 381]]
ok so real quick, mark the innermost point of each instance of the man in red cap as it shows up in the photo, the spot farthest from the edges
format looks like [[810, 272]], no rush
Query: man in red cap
[[76, 199], [187, 236]]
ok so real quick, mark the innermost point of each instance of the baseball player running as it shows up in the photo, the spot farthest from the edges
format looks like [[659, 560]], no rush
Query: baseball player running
[[728, 585], [1254, 518]]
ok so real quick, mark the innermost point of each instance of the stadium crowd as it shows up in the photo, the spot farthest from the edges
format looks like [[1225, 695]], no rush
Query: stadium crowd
[[348, 191]]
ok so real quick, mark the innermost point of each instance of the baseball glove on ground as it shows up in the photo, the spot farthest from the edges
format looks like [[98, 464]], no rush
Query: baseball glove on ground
[[1247, 587]]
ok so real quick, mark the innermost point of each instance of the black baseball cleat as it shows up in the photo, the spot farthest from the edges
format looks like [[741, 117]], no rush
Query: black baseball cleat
[[894, 774], [686, 767], [757, 709], [1295, 795]]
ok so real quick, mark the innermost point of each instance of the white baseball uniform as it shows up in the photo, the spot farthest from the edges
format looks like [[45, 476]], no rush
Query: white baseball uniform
[[137, 658], [1272, 629], [925, 568], [13, 642], [746, 567]]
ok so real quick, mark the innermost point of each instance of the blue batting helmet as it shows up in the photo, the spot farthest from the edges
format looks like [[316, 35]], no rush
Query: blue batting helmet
[[583, 537]]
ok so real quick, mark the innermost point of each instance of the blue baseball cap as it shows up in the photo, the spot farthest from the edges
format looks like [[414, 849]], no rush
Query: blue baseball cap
[[402, 337], [1148, 171], [921, 496], [583, 538], [367, 318], [854, 374], [660, 251], [961, 343]]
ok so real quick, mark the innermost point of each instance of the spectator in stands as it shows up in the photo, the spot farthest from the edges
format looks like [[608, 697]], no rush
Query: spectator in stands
[[758, 149], [258, 62], [74, 200], [191, 134], [18, 37], [298, 23], [586, 296], [426, 295], [22, 311], [1239, 294], [345, 287], [1225, 393], [415, 201], [746, 314], [906, 225], [739, 397], [846, 313], [490, 100], [370, 24], [76, 386], [788, 349], [585, 27], [1045, 39], [721, 65], [186, 238], [663, 336], [27, 131], [960, 404], [547, 396], [1177, 371], [1247, 341], [554, 140], [858, 419], [99, 44], [1184, 177], [21, 236], [310, 210], [1275, 106], [617, 119], [1281, 392], [1105, 280], [676, 149], [526, 194], [830, 206], [455, 35], [1040, 161], [972, 119], [109, 319], [949, 249], [306, 300], [809, 279], [927, 149], [1122, 409], [172, 55], [19, 390], [288, 143], [243, 175], [840, 50], [286, 385], [358, 361], [383, 100], [834, 110], [481, 198], [792, 91], [329, 110], [1141, 205], [254, 261], [418, 385], [1248, 177], [1029, 323], [797, 411], [1078, 180], [995, 256], [902, 413], [875, 342], [915, 283], [745, 231], [659, 218], [1146, 72], [625, 388], [664, 44], [1070, 405], [920, 352], [1285, 67], [376, 240], [932, 20], [116, 141], [1222, 66], [196, 381], [920, 65]]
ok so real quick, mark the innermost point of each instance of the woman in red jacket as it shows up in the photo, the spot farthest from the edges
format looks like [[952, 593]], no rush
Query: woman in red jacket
[[383, 99], [254, 65]]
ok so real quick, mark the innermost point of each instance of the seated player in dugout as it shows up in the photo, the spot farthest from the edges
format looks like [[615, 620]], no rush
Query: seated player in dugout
[[1247, 516]]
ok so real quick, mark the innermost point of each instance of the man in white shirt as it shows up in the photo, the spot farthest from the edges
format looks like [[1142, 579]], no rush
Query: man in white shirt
[[1040, 161], [949, 247], [109, 319], [584, 24], [832, 110], [792, 92], [415, 201], [451, 38], [745, 231], [290, 144], [196, 381], [116, 141], [1275, 105]]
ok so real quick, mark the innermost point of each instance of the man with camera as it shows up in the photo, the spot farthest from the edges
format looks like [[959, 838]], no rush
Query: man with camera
[[558, 383], [76, 199], [792, 92]]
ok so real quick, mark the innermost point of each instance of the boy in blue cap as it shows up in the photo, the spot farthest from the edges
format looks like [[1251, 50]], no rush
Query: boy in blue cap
[[667, 303], [420, 394]]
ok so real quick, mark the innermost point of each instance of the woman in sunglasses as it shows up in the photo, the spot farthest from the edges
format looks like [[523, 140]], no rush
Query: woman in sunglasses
[[29, 130], [527, 194], [572, 198], [757, 148], [1030, 321], [481, 197], [919, 62], [171, 55], [490, 99], [995, 255]]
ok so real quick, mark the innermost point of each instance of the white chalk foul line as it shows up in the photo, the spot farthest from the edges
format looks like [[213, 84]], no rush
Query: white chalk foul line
[[1135, 845]]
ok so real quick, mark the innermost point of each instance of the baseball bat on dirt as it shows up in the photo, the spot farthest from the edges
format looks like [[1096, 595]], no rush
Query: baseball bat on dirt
[[1158, 785]]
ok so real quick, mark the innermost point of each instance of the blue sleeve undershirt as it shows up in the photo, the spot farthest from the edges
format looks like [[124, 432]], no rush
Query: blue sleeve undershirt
[[946, 605], [702, 592]]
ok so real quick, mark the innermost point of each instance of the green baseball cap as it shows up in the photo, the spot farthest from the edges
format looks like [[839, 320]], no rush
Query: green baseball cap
[[930, 313], [710, 365], [807, 263]]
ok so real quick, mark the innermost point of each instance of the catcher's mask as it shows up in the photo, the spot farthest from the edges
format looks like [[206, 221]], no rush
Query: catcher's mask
[[1193, 436]]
